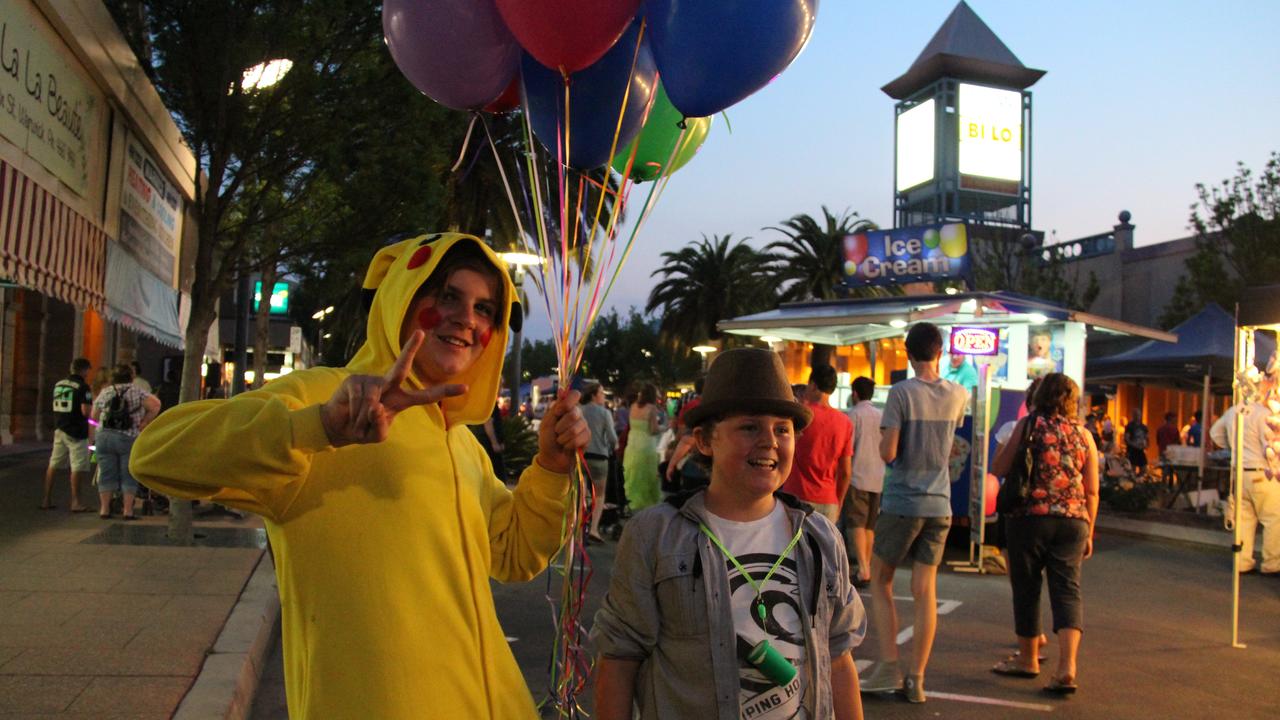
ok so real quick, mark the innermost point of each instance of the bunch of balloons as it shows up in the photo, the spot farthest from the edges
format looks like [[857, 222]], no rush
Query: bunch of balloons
[[609, 54], [605, 86]]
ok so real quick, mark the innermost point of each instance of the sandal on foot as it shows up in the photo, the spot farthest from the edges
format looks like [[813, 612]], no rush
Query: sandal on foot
[[1065, 685], [47, 507], [1012, 668]]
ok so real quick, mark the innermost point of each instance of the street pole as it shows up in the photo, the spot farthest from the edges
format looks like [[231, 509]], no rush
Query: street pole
[[243, 292], [517, 348]]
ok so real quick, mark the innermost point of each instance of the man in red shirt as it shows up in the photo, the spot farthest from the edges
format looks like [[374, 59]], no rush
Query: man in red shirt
[[822, 468]]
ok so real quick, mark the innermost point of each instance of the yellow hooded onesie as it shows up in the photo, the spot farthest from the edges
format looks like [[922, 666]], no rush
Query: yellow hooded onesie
[[383, 551]]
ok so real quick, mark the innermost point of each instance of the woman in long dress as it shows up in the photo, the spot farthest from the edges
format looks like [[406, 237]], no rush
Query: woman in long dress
[[640, 462]]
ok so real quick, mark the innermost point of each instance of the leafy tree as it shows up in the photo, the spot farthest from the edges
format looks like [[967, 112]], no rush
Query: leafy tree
[[705, 282], [622, 351], [268, 156], [1237, 226], [809, 263], [1011, 260]]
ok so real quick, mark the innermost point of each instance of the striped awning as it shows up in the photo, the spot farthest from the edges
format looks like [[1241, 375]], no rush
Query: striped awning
[[47, 245]]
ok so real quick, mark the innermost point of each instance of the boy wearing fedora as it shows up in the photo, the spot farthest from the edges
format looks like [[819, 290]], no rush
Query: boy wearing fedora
[[734, 600]]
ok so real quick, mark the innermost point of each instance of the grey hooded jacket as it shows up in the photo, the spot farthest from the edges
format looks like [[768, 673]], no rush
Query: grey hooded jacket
[[668, 608]]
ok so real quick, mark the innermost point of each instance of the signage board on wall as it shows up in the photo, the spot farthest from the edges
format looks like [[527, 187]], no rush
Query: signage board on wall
[[47, 108], [975, 341], [990, 131], [915, 145], [901, 255], [151, 212]]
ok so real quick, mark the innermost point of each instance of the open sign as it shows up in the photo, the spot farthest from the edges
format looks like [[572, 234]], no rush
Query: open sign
[[975, 341]]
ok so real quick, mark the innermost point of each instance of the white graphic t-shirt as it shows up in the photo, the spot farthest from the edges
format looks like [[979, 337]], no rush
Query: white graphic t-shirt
[[756, 545]]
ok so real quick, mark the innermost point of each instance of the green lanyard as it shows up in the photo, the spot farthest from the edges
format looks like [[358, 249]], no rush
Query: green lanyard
[[757, 587]]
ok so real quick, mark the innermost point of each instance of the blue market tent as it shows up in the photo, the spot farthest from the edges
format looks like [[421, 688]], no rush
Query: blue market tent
[[1205, 346]]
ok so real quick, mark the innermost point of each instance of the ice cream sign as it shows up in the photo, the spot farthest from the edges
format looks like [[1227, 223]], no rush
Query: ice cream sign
[[913, 254], [975, 341]]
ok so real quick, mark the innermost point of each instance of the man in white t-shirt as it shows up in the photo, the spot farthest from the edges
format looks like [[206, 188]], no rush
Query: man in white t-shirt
[[862, 503], [917, 431]]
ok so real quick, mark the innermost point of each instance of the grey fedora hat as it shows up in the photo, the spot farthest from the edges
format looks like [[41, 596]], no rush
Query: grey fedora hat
[[748, 380]]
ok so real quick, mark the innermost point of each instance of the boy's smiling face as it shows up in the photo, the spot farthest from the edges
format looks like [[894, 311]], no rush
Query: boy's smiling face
[[458, 320], [751, 454]]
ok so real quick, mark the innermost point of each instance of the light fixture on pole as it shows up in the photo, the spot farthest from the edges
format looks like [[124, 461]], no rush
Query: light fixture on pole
[[771, 340], [319, 317], [518, 262], [704, 351]]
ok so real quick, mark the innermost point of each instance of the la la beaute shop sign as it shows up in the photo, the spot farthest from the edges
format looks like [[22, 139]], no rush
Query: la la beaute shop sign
[[901, 255], [46, 109]]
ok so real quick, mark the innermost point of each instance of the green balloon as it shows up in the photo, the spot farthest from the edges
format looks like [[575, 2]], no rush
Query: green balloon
[[658, 138]]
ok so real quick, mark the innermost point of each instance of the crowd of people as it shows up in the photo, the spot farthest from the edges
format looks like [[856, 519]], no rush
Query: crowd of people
[[754, 511], [95, 425]]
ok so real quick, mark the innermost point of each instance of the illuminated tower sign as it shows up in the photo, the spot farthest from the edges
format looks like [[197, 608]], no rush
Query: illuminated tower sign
[[963, 130]]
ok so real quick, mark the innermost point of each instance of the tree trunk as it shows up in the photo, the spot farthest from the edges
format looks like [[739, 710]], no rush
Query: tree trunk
[[262, 322], [197, 334]]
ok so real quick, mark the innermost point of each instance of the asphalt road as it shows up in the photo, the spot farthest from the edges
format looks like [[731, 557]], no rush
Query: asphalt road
[[1156, 643]]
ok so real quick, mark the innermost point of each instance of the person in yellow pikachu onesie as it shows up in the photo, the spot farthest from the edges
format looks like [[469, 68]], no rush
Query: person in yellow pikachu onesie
[[383, 511]]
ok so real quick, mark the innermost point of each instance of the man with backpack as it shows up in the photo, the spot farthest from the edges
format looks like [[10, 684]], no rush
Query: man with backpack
[[71, 403]]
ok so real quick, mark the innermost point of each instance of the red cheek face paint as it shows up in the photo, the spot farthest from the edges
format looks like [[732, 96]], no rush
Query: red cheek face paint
[[420, 256], [485, 337], [428, 318]]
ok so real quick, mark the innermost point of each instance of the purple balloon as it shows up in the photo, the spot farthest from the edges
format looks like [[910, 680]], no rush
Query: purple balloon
[[459, 52]]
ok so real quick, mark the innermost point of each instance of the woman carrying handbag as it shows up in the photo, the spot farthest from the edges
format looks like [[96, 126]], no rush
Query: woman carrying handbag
[[1051, 531]]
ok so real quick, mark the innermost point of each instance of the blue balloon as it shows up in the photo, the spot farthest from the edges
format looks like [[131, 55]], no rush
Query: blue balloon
[[713, 53], [595, 99]]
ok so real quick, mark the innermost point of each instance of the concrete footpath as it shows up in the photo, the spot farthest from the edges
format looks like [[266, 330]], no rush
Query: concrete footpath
[[99, 619]]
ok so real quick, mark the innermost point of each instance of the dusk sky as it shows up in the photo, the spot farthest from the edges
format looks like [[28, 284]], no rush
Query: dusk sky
[[1142, 100]]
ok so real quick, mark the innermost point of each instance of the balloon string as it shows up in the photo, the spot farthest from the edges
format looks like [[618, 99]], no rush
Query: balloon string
[[617, 133], [531, 163], [466, 142], [515, 213], [655, 192]]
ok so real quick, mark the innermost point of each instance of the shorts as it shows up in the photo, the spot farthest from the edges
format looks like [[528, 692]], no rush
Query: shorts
[[113, 462], [861, 508], [598, 470], [65, 446], [830, 511], [901, 537]]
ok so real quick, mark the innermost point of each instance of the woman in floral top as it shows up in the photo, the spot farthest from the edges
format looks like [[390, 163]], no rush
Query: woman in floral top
[[1053, 532]]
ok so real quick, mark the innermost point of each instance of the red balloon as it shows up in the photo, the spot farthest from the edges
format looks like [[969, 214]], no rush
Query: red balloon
[[993, 489], [567, 35], [509, 99]]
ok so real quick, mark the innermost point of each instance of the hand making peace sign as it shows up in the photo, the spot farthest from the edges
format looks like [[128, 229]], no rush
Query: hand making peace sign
[[363, 406]]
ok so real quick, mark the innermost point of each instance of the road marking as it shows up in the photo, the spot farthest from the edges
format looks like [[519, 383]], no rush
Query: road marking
[[945, 607], [512, 639], [989, 701]]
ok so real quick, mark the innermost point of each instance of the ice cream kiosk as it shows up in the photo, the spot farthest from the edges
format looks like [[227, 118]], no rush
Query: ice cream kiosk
[[994, 342]]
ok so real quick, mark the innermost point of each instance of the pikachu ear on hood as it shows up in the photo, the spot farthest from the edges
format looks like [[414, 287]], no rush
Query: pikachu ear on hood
[[382, 262]]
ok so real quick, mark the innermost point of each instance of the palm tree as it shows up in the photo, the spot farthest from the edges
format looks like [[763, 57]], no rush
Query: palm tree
[[706, 282], [808, 265]]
